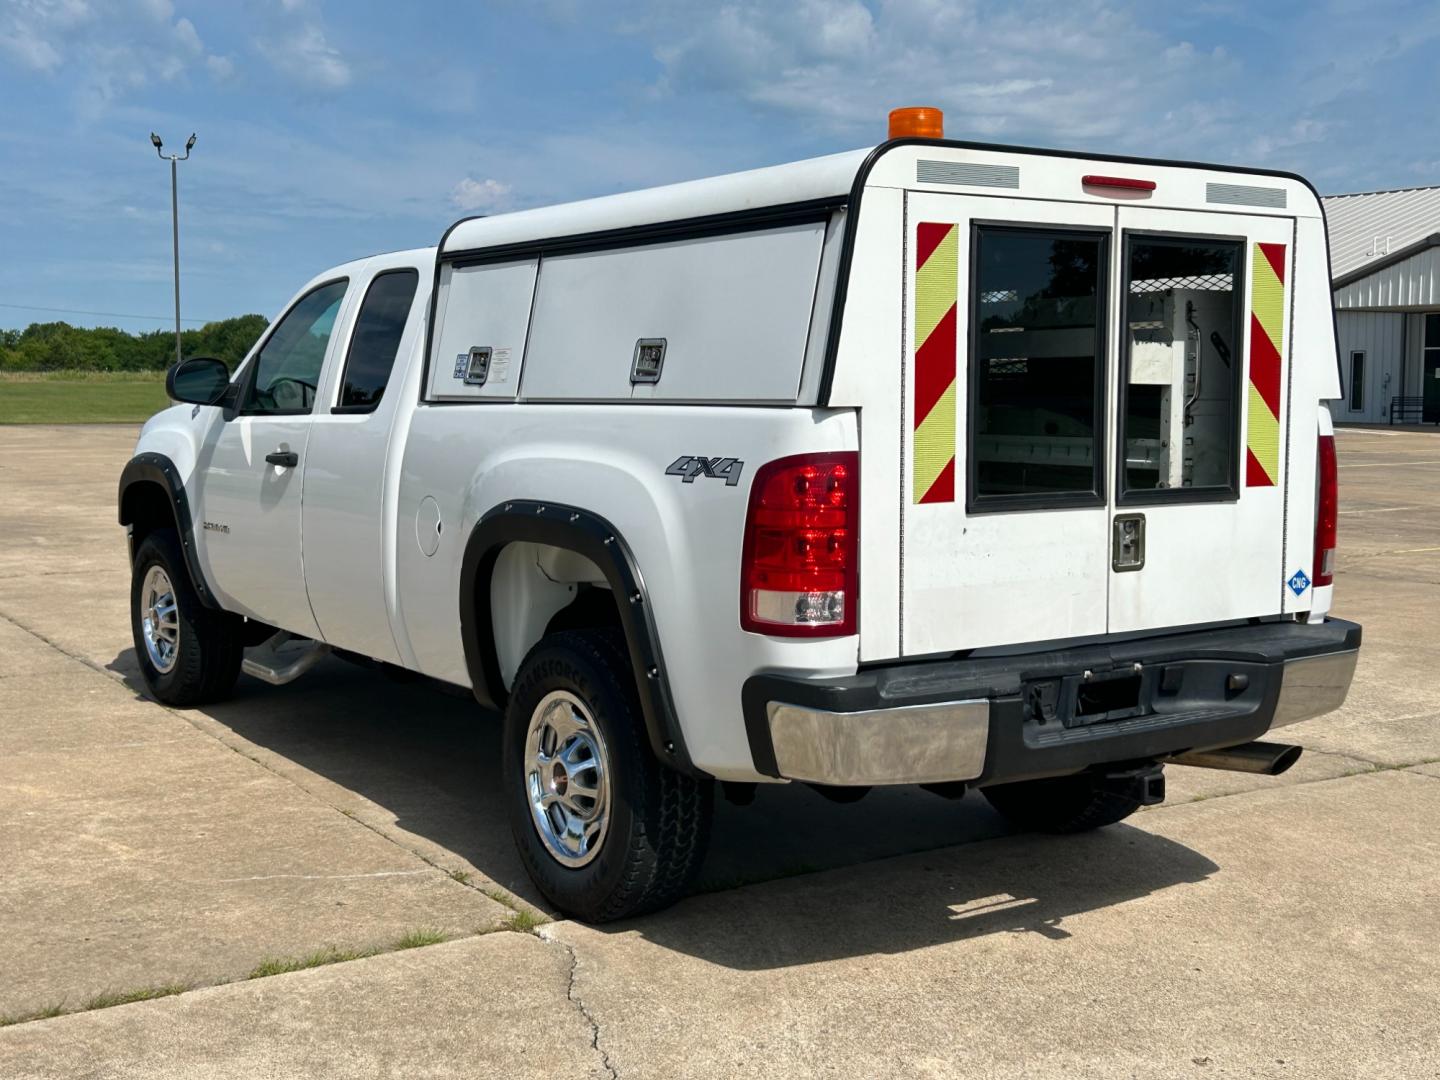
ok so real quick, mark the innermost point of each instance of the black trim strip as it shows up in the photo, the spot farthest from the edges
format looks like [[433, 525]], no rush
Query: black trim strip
[[734, 221], [596, 539], [150, 468], [862, 177], [424, 393]]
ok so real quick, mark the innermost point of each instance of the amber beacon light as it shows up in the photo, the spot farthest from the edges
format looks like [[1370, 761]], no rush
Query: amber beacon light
[[917, 122]]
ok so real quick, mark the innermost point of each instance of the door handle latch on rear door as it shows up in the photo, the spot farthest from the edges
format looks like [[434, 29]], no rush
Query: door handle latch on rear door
[[1128, 549], [287, 459]]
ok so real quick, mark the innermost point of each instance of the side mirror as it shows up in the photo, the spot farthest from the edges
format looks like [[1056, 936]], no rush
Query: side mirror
[[198, 381]]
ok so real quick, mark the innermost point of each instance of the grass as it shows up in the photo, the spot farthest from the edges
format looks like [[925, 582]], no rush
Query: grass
[[524, 922], [80, 397], [283, 965], [319, 958], [106, 1000], [47, 1013], [418, 939], [521, 921], [109, 999]]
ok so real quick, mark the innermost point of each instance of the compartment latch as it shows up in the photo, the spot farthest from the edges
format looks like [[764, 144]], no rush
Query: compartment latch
[[1128, 550]]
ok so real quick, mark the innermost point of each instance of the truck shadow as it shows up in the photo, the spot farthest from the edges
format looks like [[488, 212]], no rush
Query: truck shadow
[[429, 760], [1012, 884]]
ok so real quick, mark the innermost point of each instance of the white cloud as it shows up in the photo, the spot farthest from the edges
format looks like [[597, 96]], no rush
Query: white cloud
[[35, 33], [1301, 132], [485, 195], [221, 68], [1083, 71], [103, 52], [187, 37], [301, 52]]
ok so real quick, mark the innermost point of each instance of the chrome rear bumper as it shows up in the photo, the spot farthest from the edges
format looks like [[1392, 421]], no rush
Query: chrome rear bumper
[[1313, 686], [912, 744], [1230, 687]]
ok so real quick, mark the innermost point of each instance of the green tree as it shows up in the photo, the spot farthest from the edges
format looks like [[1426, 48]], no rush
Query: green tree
[[58, 346]]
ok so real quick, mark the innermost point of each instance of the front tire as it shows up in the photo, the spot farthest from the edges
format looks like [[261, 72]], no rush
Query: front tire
[[604, 829], [188, 654], [1065, 804]]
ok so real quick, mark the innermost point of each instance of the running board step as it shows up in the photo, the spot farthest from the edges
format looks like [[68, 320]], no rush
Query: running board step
[[268, 664]]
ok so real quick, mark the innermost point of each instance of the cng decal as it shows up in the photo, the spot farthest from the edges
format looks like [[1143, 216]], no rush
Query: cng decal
[[933, 420], [1267, 351]]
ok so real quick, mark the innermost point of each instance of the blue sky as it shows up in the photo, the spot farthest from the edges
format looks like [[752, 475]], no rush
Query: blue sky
[[331, 131]]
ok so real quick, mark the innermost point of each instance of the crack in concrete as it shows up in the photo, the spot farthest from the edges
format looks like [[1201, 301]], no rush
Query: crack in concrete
[[1412, 771], [574, 998], [316, 877], [115, 675]]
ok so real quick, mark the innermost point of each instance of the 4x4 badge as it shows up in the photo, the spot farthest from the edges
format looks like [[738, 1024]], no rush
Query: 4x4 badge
[[688, 467]]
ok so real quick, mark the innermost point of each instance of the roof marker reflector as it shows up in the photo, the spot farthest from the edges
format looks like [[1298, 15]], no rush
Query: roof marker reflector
[[1128, 182]]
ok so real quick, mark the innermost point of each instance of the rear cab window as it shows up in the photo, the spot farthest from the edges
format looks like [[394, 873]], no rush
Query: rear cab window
[[379, 326]]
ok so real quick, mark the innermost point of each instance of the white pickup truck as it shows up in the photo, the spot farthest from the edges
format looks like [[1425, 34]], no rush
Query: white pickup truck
[[935, 463]]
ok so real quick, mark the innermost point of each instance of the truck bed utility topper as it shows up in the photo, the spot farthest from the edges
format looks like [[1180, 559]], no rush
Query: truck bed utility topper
[[934, 463]]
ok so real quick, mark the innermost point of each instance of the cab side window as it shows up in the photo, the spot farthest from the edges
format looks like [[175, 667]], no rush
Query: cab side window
[[376, 339], [287, 370]]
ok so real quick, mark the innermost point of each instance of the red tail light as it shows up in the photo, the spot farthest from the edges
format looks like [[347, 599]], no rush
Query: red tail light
[[1327, 507], [799, 572]]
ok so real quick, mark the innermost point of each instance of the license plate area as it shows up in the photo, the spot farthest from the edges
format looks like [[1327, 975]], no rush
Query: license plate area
[[1090, 697], [1106, 698]]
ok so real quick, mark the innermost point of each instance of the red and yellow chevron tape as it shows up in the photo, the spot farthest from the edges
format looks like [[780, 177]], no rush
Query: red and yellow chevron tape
[[936, 285], [1267, 352]]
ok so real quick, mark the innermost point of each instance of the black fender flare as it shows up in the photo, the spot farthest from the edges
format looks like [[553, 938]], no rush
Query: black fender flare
[[586, 534], [152, 468]]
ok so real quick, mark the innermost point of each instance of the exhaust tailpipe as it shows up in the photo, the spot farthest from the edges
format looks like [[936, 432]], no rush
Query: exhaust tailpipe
[[1265, 758]]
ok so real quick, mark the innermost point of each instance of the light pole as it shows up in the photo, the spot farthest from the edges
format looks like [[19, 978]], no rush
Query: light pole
[[174, 220]]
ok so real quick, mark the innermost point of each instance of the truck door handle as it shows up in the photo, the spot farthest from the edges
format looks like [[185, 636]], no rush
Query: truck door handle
[[287, 459], [1128, 548]]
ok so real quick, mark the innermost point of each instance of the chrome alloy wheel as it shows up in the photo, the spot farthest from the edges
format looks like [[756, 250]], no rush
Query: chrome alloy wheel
[[567, 778], [159, 619]]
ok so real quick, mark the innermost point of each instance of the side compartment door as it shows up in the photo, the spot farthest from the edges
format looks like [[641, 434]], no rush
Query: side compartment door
[[1201, 415], [1004, 515], [252, 469]]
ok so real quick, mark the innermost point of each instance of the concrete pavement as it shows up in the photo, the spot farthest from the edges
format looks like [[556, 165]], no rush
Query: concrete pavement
[[1248, 927], [378, 1017]]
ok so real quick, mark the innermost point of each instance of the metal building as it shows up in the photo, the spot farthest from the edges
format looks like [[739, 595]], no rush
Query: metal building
[[1385, 262]]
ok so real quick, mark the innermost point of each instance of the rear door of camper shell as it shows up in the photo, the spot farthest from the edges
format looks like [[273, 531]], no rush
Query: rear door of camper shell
[[1102, 420]]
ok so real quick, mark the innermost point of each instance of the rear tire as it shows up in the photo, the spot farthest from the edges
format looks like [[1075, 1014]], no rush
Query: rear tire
[[188, 654], [1064, 804], [604, 829]]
